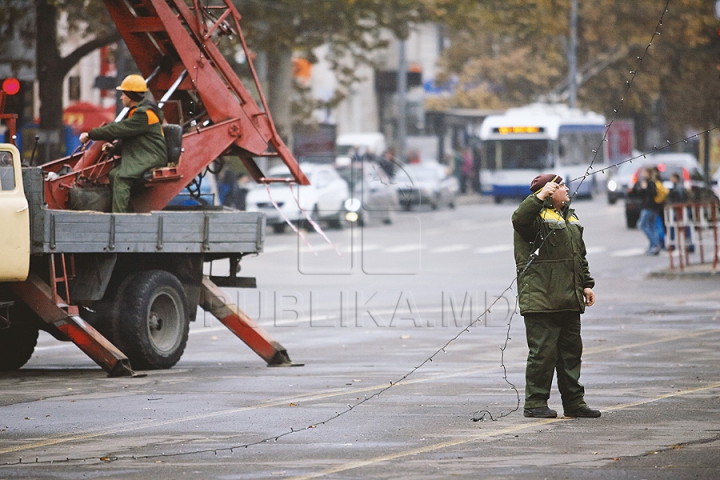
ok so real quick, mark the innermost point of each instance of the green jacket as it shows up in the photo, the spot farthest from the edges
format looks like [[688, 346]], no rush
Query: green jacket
[[556, 278], [142, 142]]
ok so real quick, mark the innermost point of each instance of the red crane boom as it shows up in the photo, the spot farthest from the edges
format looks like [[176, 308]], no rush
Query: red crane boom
[[174, 45]]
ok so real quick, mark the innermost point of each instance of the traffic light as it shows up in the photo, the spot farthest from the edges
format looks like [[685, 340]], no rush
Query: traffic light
[[11, 85]]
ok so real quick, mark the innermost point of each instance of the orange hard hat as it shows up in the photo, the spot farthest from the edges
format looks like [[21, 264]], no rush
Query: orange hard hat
[[133, 83]]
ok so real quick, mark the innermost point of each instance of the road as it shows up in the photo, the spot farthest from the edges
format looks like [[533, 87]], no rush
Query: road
[[362, 313]]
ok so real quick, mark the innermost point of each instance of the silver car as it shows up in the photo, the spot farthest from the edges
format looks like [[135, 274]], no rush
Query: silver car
[[372, 193], [426, 184]]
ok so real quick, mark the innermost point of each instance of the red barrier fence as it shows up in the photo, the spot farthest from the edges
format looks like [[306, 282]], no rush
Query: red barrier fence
[[692, 233]]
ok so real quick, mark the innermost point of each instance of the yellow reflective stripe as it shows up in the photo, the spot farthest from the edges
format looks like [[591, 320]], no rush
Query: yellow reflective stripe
[[553, 216]]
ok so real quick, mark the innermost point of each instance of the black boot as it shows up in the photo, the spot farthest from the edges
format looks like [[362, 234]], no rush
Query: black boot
[[540, 412], [582, 412]]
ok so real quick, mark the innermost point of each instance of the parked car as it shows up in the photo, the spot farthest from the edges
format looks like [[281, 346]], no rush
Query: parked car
[[684, 164], [323, 199], [426, 184], [372, 193]]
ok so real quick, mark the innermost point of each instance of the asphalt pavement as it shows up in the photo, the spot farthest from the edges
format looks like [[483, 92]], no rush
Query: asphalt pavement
[[393, 376]]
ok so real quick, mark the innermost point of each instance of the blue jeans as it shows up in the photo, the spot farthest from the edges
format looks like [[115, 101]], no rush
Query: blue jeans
[[647, 223]]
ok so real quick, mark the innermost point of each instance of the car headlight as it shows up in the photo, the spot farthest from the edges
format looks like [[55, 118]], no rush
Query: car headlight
[[612, 186], [352, 204]]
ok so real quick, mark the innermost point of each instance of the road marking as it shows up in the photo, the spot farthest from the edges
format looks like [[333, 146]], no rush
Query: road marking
[[630, 252], [278, 248], [192, 331], [495, 249], [503, 431], [592, 250], [360, 247], [410, 247], [683, 336], [122, 428], [316, 248], [141, 425], [450, 248]]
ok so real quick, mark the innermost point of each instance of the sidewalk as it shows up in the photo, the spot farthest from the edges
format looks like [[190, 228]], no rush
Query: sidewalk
[[700, 270]]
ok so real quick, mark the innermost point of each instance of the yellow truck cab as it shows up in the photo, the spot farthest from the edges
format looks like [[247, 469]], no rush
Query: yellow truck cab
[[14, 218]]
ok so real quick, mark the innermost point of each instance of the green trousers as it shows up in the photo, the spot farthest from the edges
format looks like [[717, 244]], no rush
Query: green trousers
[[121, 187], [555, 346]]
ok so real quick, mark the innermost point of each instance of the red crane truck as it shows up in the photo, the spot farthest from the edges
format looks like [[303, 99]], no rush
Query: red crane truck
[[124, 287]]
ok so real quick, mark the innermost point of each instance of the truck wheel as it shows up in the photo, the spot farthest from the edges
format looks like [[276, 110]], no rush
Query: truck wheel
[[17, 342], [154, 324]]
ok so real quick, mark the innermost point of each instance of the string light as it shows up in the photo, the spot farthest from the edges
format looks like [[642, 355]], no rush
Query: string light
[[478, 415]]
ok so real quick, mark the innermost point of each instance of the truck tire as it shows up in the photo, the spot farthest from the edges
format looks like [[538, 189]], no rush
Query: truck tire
[[154, 323], [17, 342]]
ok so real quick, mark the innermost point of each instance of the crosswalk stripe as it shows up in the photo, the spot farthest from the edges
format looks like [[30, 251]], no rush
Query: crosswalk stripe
[[405, 248], [450, 248], [494, 249], [629, 252]]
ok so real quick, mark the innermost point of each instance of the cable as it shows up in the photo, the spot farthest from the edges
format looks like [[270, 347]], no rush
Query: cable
[[628, 84], [478, 415]]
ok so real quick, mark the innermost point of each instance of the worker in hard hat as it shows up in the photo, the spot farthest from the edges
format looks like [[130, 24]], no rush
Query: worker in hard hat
[[141, 142]]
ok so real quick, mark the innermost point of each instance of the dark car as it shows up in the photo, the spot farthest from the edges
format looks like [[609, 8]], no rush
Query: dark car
[[683, 164]]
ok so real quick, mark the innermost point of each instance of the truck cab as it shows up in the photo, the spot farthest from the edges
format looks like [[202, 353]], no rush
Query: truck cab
[[14, 218]]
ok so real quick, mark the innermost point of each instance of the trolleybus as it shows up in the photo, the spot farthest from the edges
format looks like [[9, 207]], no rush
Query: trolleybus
[[541, 138]]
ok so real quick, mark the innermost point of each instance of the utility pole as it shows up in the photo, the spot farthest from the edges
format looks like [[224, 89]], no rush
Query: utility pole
[[401, 102], [572, 55]]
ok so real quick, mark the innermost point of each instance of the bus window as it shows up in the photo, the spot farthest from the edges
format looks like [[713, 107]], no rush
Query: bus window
[[576, 148], [517, 154]]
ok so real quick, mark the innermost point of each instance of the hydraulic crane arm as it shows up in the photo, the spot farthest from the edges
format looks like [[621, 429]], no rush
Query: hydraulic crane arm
[[174, 43]]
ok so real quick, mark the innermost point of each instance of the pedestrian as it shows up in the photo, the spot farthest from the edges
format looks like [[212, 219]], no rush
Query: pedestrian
[[467, 169], [677, 193], [141, 142], [661, 194], [646, 190], [387, 163], [457, 169], [554, 287]]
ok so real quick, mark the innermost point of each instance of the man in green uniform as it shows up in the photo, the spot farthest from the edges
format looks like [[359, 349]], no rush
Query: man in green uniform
[[142, 142], [554, 287]]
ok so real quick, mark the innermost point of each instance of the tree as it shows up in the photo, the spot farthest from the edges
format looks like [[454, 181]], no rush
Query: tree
[[352, 28], [511, 52], [87, 18]]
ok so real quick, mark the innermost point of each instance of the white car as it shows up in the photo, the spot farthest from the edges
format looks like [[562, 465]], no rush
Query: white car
[[323, 199]]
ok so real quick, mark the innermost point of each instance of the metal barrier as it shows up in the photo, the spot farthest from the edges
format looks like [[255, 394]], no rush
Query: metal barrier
[[690, 229]]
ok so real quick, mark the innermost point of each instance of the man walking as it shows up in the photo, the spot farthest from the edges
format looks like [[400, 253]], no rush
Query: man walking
[[142, 142], [646, 189], [554, 287]]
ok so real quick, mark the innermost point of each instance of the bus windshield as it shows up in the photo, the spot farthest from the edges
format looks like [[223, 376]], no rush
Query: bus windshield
[[517, 154], [577, 148]]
